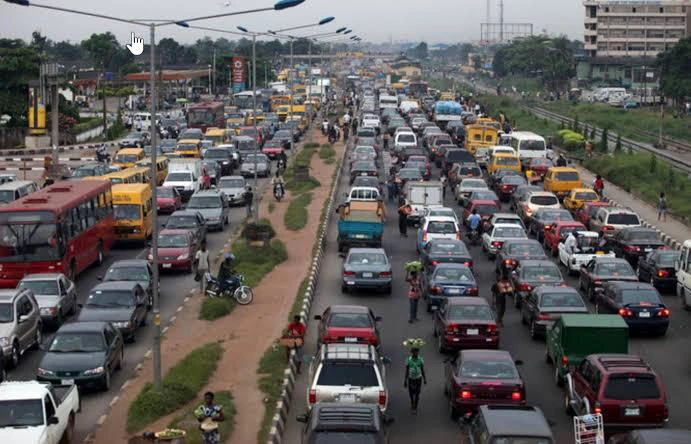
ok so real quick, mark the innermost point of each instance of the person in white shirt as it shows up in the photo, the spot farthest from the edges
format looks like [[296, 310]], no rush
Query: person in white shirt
[[346, 118], [571, 243], [203, 265]]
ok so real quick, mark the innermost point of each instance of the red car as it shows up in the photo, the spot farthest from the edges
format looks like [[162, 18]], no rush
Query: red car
[[558, 231], [588, 210], [465, 322], [249, 131], [539, 166], [482, 377], [176, 250], [273, 149], [349, 324], [168, 200], [485, 208]]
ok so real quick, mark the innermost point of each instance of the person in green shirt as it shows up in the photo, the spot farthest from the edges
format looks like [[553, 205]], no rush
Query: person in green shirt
[[414, 377]]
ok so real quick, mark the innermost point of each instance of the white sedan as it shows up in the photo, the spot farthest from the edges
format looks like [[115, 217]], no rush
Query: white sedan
[[493, 240], [586, 250], [370, 120]]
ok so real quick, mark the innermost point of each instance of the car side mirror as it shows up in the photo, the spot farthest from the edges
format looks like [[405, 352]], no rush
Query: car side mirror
[[518, 362], [302, 418], [53, 420], [23, 318], [317, 317], [378, 318]]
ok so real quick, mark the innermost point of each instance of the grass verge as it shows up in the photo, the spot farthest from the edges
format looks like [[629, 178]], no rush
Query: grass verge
[[270, 371], [645, 176], [327, 152], [295, 217], [215, 308], [180, 385], [302, 159], [190, 424]]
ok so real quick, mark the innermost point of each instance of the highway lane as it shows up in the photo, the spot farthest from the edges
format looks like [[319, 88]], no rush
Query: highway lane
[[667, 355], [174, 288]]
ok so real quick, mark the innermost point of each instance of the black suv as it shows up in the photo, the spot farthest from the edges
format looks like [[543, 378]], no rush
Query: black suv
[[509, 422], [354, 423]]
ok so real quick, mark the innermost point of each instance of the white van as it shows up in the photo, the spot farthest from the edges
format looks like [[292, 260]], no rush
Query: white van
[[683, 270], [16, 189], [404, 140], [528, 145], [422, 196], [386, 101], [604, 94], [145, 118]]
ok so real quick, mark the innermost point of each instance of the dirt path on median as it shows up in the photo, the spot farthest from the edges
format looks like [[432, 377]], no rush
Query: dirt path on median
[[247, 331]]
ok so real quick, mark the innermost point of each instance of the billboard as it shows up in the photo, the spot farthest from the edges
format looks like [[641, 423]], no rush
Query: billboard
[[237, 73]]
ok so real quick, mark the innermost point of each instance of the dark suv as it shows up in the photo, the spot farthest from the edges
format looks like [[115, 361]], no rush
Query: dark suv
[[510, 423], [356, 423], [624, 388]]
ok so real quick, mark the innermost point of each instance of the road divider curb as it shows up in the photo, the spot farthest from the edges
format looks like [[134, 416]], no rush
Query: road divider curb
[[283, 404], [62, 149]]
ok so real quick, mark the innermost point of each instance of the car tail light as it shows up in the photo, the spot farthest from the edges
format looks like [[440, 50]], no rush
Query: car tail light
[[492, 329], [564, 361], [632, 248], [472, 291], [348, 273], [435, 263], [664, 313], [424, 236], [608, 228], [625, 313], [313, 396], [509, 262], [505, 187], [597, 283], [435, 290], [543, 317], [497, 244], [524, 287], [452, 328], [382, 397], [465, 394], [662, 273], [597, 409], [516, 396], [548, 227], [468, 264]]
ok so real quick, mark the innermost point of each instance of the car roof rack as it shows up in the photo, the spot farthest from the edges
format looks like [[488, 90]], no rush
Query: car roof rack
[[609, 362]]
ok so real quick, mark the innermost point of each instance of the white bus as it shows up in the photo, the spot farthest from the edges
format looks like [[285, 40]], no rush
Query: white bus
[[386, 101], [527, 145]]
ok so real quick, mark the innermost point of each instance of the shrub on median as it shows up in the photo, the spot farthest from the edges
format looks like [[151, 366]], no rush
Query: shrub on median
[[296, 215], [180, 385], [215, 308]]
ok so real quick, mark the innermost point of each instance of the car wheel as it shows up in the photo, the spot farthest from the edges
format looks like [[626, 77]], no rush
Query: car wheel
[[533, 331], [558, 380], [453, 411], [38, 337], [14, 358], [548, 358], [106, 381]]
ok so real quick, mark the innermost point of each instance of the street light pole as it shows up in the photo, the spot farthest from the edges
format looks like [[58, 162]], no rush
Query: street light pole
[[290, 86], [309, 79], [254, 119]]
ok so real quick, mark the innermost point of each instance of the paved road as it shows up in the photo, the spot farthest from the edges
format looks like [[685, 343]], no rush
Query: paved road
[[174, 288], [667, 355]]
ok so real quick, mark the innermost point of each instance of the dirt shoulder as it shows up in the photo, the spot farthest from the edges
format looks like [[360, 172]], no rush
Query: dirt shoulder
[[247, 331]]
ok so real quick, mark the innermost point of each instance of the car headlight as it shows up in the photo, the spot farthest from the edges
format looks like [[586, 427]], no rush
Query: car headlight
[[43, 372], [183, 257], [5, 342], [49, 311], [94, 371], [225, 162]]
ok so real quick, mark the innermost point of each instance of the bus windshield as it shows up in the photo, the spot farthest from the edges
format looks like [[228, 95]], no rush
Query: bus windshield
[[31, 238], [127, 212], [200, 117]]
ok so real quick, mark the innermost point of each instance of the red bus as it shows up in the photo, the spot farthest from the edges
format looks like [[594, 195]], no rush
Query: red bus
[[205, 115], [63, 228]]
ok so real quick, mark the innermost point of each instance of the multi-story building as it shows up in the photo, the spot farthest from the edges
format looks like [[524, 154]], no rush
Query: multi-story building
[[623, 38]]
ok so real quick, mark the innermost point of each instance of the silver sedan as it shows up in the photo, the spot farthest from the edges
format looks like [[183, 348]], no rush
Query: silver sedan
[[366, 268]]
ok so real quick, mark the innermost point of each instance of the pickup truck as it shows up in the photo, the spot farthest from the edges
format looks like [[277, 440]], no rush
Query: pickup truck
[[361, 223], [37, 412]]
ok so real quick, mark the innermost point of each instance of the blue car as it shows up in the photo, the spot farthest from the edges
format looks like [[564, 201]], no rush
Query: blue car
[[448, 280]]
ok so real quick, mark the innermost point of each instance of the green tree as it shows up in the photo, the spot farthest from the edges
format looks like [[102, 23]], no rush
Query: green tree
[[617, 147], [101, 48], [19, 63], [169, 50], [604, 141], [675, 70], [576, 126], [592, 133], [653, 163]]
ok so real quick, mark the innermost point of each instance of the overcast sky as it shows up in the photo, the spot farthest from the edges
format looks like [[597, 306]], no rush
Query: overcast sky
[[434, 21]]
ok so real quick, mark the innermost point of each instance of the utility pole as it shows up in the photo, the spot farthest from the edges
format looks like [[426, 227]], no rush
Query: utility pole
[[214, 68], [501, 21]]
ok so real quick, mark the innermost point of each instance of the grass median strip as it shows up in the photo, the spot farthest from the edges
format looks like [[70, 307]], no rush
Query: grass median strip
[[180, 385], [295, 217], [189, 423], [270, 371], [297, 176]]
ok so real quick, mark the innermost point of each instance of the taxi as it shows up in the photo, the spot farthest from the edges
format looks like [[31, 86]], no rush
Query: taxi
[[578, 197], [561, 180], [189, 148]]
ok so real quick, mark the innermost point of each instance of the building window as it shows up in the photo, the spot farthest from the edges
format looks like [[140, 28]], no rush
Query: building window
[[606, 8], [633, 9], [662, 10]]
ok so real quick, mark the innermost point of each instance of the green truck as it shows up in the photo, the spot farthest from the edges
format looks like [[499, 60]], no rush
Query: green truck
[[575, 336]]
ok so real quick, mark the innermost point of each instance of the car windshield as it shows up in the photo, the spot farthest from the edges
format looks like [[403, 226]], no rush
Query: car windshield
[[441, 227], [367, 259], [668, 259], [587, 196], [532, 145], [173, 241], [181, 222], [6, 313], [513, 180], [73, 342], [640, 296], [353, 374], [126, 212], [127, 273], [508, 220], [483, 195], [473, 184], [251, 158], [568, 176], [553, 216], [447, 248], [509, 232], [506, 161], [461, 312], [623, 219], [542, 272], [544, 200], [521, 440], [126, 158], [204, 202], [24, 237], [79, 172], [364, 166], [364, 181], [42, 287], [216, 154], [631, 386], [179, 177], [643, 236], [232, 183], [410, 173], [487, 369], [540, 161], [110, 298], [550, 300], [345, 437], [614, 269], [350, 320], [167, 192], [453, 274], [525, 250], [406, 138], [21, 413]]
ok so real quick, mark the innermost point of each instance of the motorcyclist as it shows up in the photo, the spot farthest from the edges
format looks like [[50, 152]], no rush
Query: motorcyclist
[[226, 274], [278, 183], [561, 161], [474, 221], [102, 153]]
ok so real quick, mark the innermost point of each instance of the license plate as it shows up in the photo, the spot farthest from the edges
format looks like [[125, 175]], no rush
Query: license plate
[[346, 398], [67, 381], [350, 282], [648, 250], [628, 411], [350, 339], [644, 314], [599, 253], [454, 291], [364, 174], [473, 331], [166, 265], [360, 236], [366, 275]]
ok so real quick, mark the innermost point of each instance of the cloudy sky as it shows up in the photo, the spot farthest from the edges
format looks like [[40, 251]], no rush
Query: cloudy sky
[[374, 20]]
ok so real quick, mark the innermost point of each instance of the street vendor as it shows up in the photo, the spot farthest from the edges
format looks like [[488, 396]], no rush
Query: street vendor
[[209, 415]]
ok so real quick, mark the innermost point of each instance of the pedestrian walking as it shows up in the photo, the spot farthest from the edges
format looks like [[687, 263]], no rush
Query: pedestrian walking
[[502, 288], [203, 265], [209, 415], [413, 294], [404, 210], [662, 207], [414, 374], [249, 197], [599, 185], [443, 185]]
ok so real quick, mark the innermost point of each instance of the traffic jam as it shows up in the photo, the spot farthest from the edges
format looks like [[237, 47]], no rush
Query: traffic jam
[[76, 267], [474, 287]]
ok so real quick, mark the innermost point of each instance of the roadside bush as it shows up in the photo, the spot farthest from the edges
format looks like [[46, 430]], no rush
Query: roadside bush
[[296, 215], [255, 262], [326, 152], [570, 140], [212, 309], [180, 385], [270, 371]]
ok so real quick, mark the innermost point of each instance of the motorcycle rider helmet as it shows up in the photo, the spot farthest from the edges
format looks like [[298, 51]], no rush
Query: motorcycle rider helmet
[[228, 257]]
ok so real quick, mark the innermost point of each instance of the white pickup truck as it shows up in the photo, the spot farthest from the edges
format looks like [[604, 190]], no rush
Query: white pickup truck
[[37, 412]]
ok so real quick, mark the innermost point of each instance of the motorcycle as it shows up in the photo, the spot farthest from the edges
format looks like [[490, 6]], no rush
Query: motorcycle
[[102, 155], [474, 236], [242, 293], [281, 166], [278, 191]]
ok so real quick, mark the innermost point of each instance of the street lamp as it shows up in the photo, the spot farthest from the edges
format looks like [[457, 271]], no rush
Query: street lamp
[[152, 25]]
